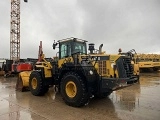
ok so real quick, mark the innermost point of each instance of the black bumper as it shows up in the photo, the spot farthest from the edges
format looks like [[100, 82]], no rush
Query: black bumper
[[115, 83]]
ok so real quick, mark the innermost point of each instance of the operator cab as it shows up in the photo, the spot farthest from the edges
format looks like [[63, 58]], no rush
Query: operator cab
[[71, 46]]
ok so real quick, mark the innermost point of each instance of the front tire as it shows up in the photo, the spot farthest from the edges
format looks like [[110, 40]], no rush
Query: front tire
[[36, 84], [73, 90]]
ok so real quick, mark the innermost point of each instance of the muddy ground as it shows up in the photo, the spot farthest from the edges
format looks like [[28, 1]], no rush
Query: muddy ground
[[137, 102]]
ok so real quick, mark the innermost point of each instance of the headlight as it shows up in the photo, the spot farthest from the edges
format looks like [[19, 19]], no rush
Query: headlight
[[91, 72]]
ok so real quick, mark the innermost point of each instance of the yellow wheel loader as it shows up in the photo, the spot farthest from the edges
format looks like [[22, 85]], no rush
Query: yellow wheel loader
[[79, 75]]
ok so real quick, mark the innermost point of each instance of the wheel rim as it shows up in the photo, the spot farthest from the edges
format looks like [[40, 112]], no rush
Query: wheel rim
[[71, 89], [34, 83]]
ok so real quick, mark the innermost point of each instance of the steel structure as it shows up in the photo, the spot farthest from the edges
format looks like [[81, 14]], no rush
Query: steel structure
[[15, 30]]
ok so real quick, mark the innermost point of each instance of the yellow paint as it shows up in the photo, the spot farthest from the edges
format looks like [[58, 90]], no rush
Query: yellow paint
[[145, 64], [71, 89], [25, 77], [64, 60], [34, 83]]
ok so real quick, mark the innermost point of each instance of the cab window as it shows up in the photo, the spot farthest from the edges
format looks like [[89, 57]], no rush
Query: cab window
[[65, 50]]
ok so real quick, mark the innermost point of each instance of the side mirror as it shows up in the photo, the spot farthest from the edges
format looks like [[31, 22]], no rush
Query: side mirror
[[54, 45]]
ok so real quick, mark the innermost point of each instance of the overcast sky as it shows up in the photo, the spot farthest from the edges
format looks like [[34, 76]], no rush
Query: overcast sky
[[126, 24]]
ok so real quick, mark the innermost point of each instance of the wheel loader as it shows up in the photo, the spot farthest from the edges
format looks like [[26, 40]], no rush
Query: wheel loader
[[79, 75]]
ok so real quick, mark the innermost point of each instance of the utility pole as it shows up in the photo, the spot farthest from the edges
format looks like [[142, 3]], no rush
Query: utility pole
[[15, 30]]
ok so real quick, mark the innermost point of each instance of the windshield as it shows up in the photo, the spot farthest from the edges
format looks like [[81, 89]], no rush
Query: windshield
[[68, 48], [79, 47]]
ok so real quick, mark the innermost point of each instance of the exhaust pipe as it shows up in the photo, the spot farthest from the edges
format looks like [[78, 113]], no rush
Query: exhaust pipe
[[91, 48], [100, 48]]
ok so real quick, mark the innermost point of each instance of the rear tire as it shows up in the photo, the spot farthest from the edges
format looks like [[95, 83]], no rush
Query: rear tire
[[73, 90], [36, 84]]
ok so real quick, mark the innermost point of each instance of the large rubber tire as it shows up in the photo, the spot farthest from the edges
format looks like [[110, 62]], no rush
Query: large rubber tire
[[36, 84], [73, 90]]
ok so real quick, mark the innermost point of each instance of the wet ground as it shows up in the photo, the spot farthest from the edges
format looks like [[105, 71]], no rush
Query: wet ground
[[137, 102]]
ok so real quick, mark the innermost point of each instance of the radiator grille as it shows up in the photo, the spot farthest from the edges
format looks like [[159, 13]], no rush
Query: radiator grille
[[102, 67]]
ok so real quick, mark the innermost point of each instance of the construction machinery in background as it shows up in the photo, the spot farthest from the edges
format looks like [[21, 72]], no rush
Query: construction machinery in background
[[2, 63], [77, 74], [9, 68], [26, 64], [15, 61], [143, 62], [5, 67], [22, 65], [148, 62]]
